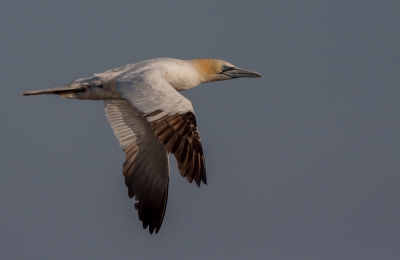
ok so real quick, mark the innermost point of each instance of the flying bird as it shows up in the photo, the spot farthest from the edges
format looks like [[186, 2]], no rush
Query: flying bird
[[151, 119]]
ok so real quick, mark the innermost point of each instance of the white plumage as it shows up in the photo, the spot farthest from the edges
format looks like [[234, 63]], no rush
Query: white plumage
[[150, 118]]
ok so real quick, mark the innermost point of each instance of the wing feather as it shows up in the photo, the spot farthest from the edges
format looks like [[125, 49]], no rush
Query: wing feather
[[146, 168], [171, 116]]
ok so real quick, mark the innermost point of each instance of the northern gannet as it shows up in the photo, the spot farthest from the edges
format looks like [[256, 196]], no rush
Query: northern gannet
[[150, 118]]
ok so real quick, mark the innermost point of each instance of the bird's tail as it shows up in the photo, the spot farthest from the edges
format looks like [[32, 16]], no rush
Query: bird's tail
[[63, 90]]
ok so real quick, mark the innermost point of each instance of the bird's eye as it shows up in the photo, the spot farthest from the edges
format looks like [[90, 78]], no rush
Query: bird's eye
[[225, 68]]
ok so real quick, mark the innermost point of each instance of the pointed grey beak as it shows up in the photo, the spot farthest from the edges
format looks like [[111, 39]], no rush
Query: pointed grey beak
[[241, 73]]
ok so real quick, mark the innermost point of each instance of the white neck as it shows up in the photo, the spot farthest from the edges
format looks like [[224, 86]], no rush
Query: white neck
[[182, 75]]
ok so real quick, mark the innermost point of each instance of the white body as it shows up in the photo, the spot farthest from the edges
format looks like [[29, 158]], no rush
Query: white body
[[150, 118]]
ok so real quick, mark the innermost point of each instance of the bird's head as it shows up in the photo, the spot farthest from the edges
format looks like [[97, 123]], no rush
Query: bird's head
[[213, 70]]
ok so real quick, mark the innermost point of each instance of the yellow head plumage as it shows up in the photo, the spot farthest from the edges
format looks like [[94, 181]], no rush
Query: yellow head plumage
[[213, 70]]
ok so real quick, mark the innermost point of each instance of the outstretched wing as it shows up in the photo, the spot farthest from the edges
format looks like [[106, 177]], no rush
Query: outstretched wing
[[146, 169], [171, 116]]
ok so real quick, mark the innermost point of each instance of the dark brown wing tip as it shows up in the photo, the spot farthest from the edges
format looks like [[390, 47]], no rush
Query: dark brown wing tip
[[150, 223], [204, 179], [151, 229], [150, 191]]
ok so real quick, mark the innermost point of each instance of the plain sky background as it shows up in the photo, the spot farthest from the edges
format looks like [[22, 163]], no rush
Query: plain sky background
[[302, 164]]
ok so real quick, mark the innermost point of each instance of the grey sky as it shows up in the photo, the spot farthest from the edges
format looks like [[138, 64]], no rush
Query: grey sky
[[302, 164]]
